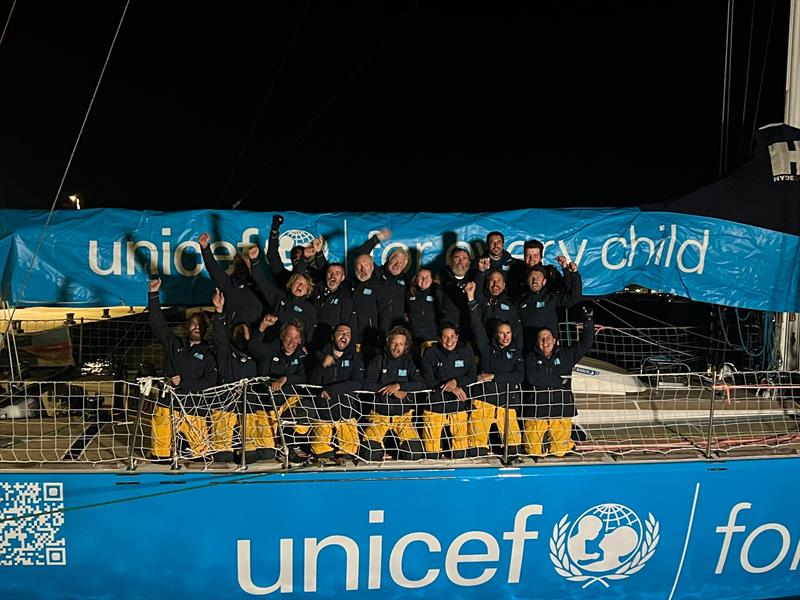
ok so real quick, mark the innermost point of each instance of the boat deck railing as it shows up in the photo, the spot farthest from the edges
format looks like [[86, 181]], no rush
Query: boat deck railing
[[147, 424]]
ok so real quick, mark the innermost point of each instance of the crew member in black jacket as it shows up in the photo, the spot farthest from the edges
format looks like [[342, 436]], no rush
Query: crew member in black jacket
[[292, 303], [539, 308], [502, 370], [191, 367], [448, 368], [393, 377], [333, 301], [549, 405], [284, 362], [368, 293], [235, 363], [424, 305], [338, 368]]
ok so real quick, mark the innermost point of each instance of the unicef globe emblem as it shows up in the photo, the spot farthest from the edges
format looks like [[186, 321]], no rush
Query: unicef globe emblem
[[291, 238], [606, 543]]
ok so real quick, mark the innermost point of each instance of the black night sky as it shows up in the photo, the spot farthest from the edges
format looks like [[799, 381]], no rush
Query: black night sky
[[380, 106]]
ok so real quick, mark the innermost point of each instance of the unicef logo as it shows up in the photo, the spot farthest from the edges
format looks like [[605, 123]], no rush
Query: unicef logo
[[605, 543], [291, 238]]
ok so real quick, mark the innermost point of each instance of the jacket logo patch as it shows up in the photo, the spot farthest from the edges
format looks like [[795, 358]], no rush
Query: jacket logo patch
[[335, 301], [367, 292], [540, 304], [296, 308], [505, 267], [383, 370], [429, 298], [412, 298], [509, 355], [402, 373], [294, 361], [345, 363], [557, 361], [459, 363], [198, 355], [401, 282], [504, 306]]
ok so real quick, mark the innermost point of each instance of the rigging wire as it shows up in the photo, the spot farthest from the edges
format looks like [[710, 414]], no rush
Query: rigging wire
[[66, 170], [747, 81], [726, 93], [320, 112], [263, 105], [8, 20], [763, 71]]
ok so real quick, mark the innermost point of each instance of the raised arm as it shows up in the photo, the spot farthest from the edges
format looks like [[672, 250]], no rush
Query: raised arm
[[368, 246], [217, 273], [273, 256], [269, 290], [573, 283], [158, 323]]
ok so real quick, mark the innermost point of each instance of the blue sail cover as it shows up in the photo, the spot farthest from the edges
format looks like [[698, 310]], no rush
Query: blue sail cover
[[104, 257]]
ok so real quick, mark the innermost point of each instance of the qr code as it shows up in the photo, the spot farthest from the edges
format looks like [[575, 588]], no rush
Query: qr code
[[31, 515]]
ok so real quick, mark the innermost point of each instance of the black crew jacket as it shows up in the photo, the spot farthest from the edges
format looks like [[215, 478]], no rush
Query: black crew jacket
[[540, 310], [439, 366], [383, 370]]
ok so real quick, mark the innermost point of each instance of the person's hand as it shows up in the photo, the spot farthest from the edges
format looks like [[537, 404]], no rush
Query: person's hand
[[384, 234], [268, 321], [485, 377], [565, 264], [483, 264], [390, 390], [277, 221], [278, 384], [400, 395], [328, 361], [175, 380], [325, 395], [218, 298], [203, 240], [470, 290], [317, 244], [252, 252], [460, 394], [449, 386], [154, 285]]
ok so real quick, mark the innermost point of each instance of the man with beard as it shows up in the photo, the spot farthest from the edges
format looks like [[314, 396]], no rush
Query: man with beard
[[493, 301], [533, 253], [283, 361], [393, 377], [550, 406], [235, 363], [334, 304], [191, 367], [502, 370], [340, 371], [305, 259], [367, 293], [244, 304], [453, 280], [500, 260], [539, 308], [448, 368]]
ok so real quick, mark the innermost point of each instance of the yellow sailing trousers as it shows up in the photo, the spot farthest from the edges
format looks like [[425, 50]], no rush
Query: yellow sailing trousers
[[193, 428], [401, 425], [560, 436], [286, 408], [222, 427], [482, 417], [260, 430], [432, 424], [346, 437]]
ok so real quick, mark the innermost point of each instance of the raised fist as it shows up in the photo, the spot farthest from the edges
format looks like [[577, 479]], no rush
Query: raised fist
[[203, 240], [252, 252], [470, 290], [483, 264], [277, 221], [384, 234], [154, 285]]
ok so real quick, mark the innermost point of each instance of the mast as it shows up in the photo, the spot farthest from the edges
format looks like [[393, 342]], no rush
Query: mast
[[788, 324]]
